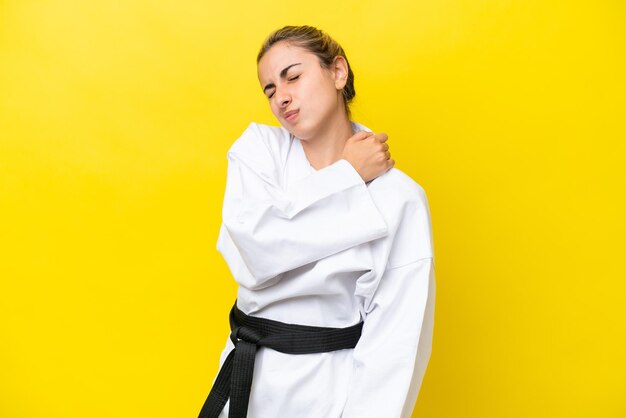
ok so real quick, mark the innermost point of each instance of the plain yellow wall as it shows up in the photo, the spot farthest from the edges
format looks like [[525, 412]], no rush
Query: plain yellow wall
[[115, 119]]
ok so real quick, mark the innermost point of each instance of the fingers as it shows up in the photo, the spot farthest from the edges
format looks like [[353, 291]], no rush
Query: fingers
[[381, 136], [362, 135], [385, 150], [384, 146]]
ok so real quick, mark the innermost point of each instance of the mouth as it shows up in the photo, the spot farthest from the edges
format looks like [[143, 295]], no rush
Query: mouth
[[291, 115]]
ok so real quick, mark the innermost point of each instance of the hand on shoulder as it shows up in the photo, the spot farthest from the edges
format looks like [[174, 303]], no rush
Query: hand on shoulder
[[369, 154]]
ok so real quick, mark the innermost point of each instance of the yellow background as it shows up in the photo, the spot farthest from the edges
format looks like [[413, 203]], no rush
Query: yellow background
[[115, 119]]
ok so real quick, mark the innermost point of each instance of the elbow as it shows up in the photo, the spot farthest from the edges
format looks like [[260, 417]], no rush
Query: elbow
[[251, 266]]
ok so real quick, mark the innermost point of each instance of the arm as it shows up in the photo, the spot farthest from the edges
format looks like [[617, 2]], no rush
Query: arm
[[391, 357], [272, 229]]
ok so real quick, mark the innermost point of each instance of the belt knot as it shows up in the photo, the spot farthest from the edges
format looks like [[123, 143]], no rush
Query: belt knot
[[234, 380], [247, 334]]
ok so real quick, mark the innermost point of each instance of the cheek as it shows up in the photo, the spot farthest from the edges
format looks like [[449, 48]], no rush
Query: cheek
[[323, 99], [315, 94], [325, 90], [274, 108]]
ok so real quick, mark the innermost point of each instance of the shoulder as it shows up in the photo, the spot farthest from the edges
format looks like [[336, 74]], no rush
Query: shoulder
[[262, 149], [258, 137], [398, 188], [404, 204], [395, 185]]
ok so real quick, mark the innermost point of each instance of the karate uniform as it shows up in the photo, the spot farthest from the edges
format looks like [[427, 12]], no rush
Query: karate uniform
[[323, 248]]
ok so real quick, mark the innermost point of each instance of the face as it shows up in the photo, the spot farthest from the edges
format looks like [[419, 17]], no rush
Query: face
[[303, 96]]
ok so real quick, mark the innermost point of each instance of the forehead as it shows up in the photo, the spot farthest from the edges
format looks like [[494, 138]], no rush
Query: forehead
[[280, 56]]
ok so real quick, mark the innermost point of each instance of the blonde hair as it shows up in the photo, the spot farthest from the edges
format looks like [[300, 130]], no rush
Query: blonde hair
[[320, 44]]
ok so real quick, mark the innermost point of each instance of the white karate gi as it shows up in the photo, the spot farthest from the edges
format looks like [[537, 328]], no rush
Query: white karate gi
[[323, 248]]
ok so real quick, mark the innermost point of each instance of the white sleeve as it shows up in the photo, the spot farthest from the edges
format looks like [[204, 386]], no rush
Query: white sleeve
[[391, 357], [272, 229]]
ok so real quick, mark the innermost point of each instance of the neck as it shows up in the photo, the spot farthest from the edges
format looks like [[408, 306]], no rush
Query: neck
[[327, 147]]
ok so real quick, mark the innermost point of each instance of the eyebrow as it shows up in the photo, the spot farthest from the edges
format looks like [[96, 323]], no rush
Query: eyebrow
[[283, 74]]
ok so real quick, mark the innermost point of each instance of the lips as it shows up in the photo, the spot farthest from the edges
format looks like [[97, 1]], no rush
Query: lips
[[290, 113]]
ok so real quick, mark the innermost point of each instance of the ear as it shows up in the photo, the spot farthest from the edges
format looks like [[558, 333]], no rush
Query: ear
[[340, 72]]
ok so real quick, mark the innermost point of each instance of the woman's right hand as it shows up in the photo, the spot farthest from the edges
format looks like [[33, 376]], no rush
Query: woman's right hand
[[369, 154]]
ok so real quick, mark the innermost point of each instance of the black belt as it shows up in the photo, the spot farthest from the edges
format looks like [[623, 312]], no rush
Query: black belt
[[248, 333]]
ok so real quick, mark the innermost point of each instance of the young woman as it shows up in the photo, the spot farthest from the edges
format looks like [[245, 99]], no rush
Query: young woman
[[331, 247]]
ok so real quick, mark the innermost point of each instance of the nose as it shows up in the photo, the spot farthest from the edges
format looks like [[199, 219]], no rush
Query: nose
[[283, 97]]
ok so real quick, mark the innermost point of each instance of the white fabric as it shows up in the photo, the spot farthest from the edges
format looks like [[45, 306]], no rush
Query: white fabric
[[324, 248]]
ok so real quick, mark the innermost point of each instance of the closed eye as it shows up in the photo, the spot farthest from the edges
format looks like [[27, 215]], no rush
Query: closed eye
[[289, 79]]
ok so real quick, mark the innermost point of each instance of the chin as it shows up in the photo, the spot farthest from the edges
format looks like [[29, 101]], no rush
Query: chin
[[296, 131], [300, 134]]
